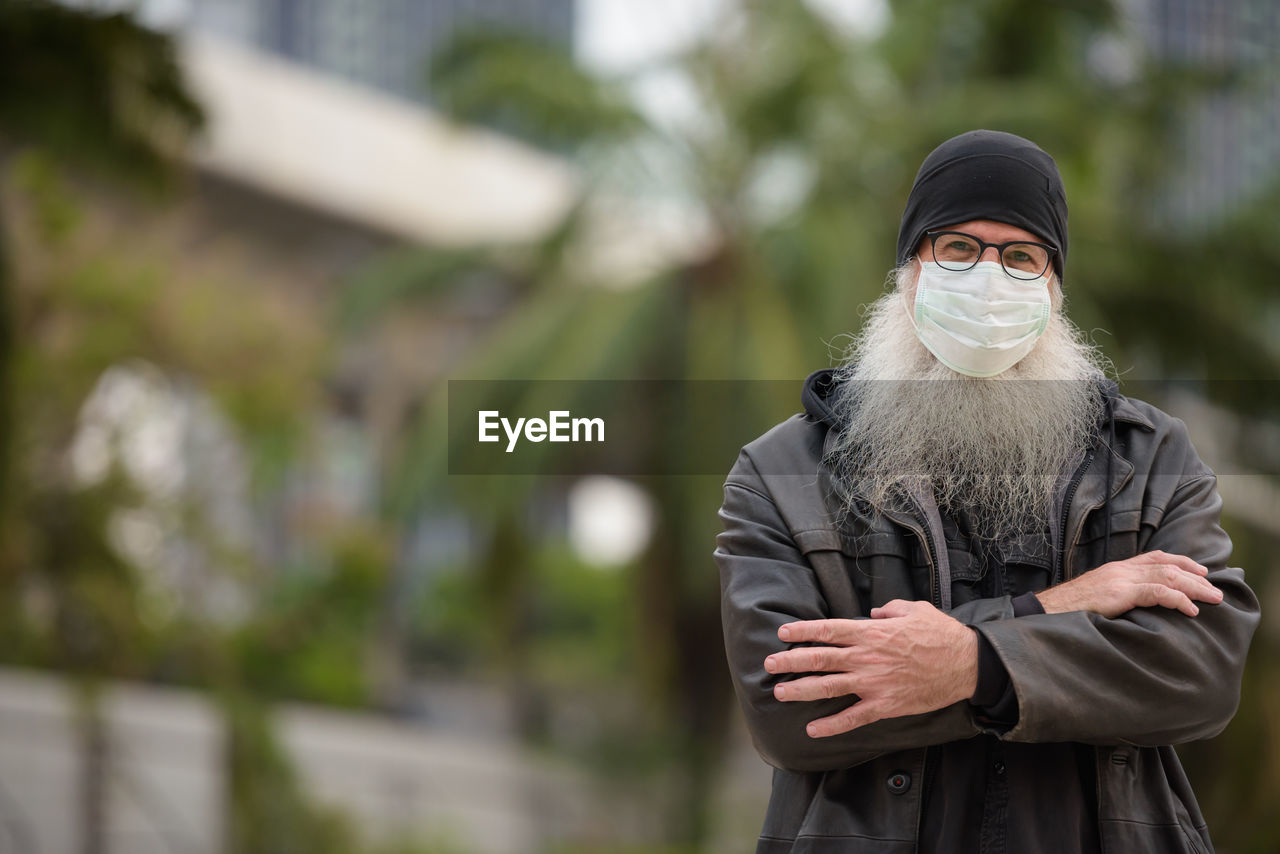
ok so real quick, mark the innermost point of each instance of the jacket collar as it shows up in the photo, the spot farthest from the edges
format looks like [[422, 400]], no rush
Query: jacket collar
[[1122, 408], [817, 389]]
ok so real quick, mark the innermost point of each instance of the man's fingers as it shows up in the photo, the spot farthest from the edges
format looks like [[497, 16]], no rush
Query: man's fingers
[[1199, 588], [818, 631], [1168, 597], [815, 688], [859, 714], [1179, 596], [893, 608], [1194, 586], [1180, 561], [815, 659], [1187, 564]]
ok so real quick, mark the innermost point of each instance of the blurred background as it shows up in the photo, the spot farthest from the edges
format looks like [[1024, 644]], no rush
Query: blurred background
[[244, 244]]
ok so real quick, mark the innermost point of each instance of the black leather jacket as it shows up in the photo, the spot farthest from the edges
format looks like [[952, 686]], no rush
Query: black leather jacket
[[1132, 685]]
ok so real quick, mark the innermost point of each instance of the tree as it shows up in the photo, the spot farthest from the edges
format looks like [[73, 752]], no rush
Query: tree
[[106, 93], [93, 100]]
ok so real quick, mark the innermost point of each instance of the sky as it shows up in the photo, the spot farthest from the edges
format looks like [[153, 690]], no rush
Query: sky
[[618, 35]]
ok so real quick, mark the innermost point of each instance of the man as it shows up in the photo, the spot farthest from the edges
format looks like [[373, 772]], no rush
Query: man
[[973, 594]]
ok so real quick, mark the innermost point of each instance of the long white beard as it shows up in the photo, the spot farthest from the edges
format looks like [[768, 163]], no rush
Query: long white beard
[[993, 447]]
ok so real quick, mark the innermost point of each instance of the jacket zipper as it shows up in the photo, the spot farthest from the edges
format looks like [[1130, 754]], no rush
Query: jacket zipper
[[1066, 511], [935, 595]]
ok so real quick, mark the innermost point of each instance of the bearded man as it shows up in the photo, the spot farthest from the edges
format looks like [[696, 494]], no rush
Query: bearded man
[[973, 594]]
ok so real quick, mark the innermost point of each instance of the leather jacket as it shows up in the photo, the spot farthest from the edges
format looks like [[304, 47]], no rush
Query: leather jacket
[[1131, 686]]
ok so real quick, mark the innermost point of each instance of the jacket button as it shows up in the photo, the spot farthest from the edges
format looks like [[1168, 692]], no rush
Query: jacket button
[[999, 768], [899, 782]]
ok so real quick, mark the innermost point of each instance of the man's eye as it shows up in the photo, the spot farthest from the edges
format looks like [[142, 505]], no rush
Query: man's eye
[[960, 246], [1019, 255]]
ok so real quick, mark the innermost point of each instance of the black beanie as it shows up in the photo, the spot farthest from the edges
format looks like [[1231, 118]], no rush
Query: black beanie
[[987, 174]]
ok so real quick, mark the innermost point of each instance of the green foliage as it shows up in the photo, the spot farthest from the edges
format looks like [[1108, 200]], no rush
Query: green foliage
[[98, 88], [269, 814], [86, 91], [577, 619], [529, 88], [310, 634]]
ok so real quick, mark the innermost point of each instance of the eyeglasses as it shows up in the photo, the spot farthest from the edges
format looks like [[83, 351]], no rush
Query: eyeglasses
[[1021, 259]]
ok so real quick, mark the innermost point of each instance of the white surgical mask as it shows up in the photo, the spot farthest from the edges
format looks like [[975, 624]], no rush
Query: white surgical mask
[[981, 321]]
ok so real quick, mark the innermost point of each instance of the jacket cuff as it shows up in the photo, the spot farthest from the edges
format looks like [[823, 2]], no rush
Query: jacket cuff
[[1026, 604], [995, 702], [993, 678]]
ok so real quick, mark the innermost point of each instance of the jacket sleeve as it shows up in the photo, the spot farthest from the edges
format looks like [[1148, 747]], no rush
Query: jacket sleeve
[[1151, 676], [766, 581], [995, 703]]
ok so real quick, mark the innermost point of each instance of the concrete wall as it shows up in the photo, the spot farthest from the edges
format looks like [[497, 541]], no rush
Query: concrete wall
[[165, 787], [164, 791]]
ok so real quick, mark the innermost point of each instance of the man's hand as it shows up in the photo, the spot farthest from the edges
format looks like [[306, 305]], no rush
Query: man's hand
[[910, 658], [1145, 580]]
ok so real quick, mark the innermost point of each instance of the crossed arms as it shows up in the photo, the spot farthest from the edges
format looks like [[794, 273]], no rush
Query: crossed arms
[[1122, 654]]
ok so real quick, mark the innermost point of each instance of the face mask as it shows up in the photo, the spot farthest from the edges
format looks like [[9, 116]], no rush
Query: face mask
[[981, 321]]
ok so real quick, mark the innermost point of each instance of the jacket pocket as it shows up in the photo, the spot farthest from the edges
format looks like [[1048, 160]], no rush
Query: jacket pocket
[[857, 573], [1094, 548], [1145, 803], [873, 807]]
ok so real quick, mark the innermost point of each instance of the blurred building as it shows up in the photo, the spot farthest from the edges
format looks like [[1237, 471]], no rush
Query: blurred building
[[318, 159], [384, 44], [387, 45], [1230, 142]]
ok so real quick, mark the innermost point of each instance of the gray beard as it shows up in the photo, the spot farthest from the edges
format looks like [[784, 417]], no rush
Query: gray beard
[[993, 448]]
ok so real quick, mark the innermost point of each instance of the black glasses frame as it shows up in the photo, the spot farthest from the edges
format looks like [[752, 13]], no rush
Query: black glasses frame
[[999, 247]]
